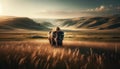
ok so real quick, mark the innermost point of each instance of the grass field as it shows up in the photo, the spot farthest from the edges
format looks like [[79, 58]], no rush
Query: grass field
[[81, 50], [81, 35]]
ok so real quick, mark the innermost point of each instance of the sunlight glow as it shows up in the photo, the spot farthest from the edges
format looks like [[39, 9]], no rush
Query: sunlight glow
[[0, 9]]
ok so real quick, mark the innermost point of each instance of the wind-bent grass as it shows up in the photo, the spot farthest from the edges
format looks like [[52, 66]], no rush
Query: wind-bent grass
[[32, 55]]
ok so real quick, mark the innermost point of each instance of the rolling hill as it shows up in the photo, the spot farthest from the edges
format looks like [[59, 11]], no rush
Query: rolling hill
[[101, 23], [47, 24], [12, 23]]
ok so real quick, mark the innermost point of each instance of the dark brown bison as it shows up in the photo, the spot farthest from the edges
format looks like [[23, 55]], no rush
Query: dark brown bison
[[56, 36]]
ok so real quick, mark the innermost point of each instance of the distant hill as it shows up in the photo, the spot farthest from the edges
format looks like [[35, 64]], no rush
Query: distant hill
[[47, 24], [101, 23], [11, 23]]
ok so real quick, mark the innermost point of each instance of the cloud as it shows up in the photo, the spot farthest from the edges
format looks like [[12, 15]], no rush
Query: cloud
[[90, 10], [98, 9], [62, 13], [101, 8]]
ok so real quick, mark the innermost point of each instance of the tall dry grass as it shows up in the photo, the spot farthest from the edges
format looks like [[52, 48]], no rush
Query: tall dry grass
[[31, 55]]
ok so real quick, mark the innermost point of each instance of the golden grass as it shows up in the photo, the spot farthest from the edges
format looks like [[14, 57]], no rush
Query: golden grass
[[35, 55]]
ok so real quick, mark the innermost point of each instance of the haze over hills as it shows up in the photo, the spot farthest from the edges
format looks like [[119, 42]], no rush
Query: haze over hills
[[101, 23], [13, 23], [45, 22], [8, 23]]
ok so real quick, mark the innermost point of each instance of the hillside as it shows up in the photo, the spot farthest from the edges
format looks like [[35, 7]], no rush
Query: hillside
[[101, 23], [45, 22], [12, 23]]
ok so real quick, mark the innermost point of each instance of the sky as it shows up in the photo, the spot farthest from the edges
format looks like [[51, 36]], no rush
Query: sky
[[59, 8]]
